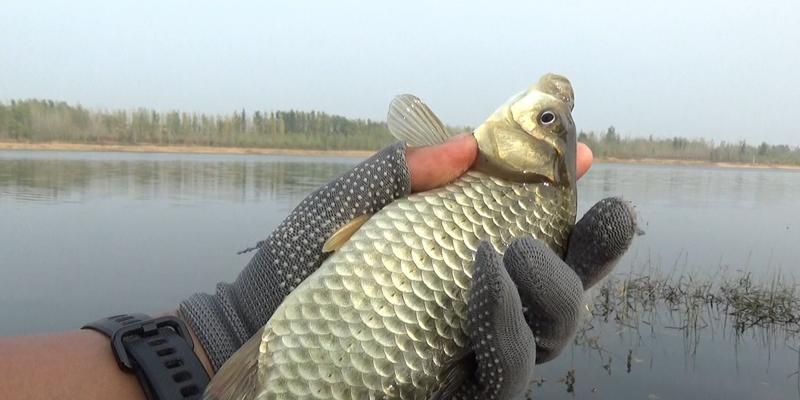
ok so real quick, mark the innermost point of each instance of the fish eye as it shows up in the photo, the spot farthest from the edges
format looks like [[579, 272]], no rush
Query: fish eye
[[547, 118]]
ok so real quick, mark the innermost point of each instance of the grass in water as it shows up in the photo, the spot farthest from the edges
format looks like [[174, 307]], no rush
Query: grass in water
[[742, 304], [736, 305]]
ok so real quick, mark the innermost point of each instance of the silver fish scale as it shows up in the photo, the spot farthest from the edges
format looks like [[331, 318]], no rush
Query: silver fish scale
[[386, 312]]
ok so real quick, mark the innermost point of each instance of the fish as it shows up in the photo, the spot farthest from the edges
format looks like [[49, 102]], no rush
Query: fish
[[385, 314]]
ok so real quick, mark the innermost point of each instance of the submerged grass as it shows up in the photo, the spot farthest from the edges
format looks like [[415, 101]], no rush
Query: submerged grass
[[739, 305], [739, 301]]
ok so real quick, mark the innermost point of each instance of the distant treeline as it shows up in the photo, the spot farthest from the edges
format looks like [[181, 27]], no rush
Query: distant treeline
[[47, 121], [609, 144]]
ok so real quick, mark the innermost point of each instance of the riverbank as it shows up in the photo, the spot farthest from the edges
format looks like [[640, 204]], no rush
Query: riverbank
[[146, 148], [698, 163]]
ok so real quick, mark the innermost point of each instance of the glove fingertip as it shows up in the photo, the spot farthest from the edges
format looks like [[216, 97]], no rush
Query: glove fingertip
[[601, 237]]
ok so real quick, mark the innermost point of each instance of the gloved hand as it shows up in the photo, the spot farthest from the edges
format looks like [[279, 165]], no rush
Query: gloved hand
[[524, 306], [225, 320]]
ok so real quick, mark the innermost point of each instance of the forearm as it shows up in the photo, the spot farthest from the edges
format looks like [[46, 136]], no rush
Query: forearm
[[75, 364]]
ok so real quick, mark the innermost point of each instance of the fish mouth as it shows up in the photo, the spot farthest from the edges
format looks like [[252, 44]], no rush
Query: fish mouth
[[518, 156]]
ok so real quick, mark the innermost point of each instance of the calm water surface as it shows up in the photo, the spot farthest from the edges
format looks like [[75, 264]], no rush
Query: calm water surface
[[84, 235]]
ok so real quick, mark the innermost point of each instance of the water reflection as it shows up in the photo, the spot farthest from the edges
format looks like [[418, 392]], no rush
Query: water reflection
[[182, 179], [84, 235]]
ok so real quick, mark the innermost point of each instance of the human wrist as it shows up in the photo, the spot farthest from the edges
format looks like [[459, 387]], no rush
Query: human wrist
[[199, 349], [158, 350]]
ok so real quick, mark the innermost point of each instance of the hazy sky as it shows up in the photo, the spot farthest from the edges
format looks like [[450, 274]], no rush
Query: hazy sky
[[727, 70]]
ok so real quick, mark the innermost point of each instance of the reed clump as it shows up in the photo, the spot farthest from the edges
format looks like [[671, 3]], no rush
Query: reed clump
[[738, 300]]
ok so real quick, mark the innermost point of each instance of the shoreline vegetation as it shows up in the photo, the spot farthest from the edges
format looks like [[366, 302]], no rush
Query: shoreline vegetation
[[54, 125]]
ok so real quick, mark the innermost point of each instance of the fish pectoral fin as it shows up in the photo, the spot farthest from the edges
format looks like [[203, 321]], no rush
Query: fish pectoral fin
[[343, 234], [454, 377], [411, 120], [238, 377]]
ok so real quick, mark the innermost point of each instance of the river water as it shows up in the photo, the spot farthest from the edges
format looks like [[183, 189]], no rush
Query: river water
[[85, 235]]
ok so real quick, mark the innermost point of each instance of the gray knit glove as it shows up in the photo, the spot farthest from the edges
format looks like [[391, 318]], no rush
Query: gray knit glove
[[524, 306], [225, 320]]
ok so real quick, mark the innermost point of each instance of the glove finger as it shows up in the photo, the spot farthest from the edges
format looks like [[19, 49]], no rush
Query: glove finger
[[550, 291], [600, 239], [502, 342]]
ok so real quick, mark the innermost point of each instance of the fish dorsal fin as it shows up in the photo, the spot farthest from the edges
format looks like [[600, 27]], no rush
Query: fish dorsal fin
[[412, 121], [342, 235]]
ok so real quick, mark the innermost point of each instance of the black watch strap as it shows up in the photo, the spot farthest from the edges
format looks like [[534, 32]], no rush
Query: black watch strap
[[159, 351]]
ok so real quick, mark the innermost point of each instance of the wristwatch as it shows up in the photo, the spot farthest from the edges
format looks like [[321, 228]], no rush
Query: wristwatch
[[159, 351]]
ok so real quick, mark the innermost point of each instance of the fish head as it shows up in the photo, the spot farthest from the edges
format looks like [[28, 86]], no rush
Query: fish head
[[531, 138]]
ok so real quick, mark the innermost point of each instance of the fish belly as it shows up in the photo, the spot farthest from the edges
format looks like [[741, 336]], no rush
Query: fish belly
[[386, 313]]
